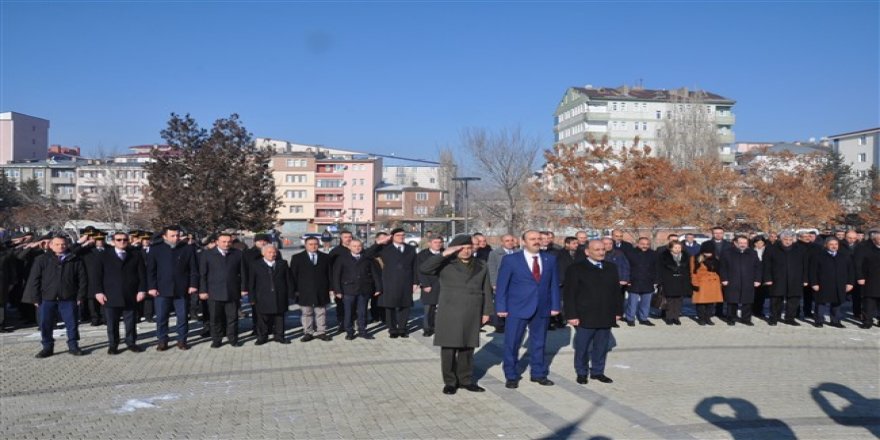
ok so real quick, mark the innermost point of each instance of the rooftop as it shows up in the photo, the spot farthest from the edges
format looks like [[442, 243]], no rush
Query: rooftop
[[625, 93], [852, 133]]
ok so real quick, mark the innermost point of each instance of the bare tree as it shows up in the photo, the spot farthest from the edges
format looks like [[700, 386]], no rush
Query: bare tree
[[689, 131], [505, 160]]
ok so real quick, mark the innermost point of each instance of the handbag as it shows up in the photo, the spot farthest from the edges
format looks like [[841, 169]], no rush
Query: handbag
[[658, 301]]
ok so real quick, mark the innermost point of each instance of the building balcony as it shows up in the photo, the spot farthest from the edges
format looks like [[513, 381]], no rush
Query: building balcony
[[329, 205], [327, 220], [725, 118], [63, 180], [390, 205], [726, 137], [329, 174], [327, 191]]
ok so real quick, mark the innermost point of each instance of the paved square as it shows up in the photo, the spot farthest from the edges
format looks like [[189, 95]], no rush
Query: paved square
[[685, 382]]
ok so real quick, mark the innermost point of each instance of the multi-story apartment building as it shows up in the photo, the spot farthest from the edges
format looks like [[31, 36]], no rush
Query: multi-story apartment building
[[294, 175], [22, 137], [57, 179], [426, 176], [407, 202], [128, 179], [621, 114], [860, 149]]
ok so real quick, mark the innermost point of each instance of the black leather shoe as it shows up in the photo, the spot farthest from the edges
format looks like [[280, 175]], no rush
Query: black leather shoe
[[394, 335], [601, 378], [817, 324], [216, 344], [281, 341], [646, 322], [771, 322], [865, 326], [366, 336], [668, 321], [324, 337], [112, 351], [792, 323], [307, 338], [836, 325], [731, 322], [162, 346], [582, 380], [749, 323], [76, 352], [260, 342], [350, 337], [511, 384], [135, 348], [631, 323], [615, 325], [404, 335], [542, 381], [449, 389], [44, 353], [428, 333], [236, 344], [474, 388], [676, 321], [182, 346]]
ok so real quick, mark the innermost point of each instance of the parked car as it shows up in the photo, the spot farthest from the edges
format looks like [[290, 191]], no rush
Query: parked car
[[302, 242], [412, 239]]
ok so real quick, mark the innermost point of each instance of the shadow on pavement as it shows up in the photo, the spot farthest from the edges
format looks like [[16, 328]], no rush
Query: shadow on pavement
[[745, 421], [859, 411]]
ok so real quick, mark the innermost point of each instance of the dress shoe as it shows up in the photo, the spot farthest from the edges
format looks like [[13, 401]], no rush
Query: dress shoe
[[236, 344], [112, 351], [44, 353], [95, 323], [710, 321], [511, 384], [162, 346], [216, 344], [676, 321], [582, 380], [731, 322], [771, 322], [701, 323], [449, 389], [836, 325], [748, 323], [404, 335], [350, 337], [366, 336], [182, 346], [394, 335], [646, 322], [134, 348], [474, 388], [325, 337], [631, 323], [792, 323], [260, 342], [76, 351], [307, 338], [281, 341], [668, 321], [615, 325], [542, 381], [428, 333], [601, 378], [865, 326], [817, 324]]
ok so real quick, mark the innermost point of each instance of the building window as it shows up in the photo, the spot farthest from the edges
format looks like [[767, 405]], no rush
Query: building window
[[863, 140], [659, 114], [325, 183], [361, 182], [295, 209], [38, 173], [295, 194], [863, 157], [421, 210], [295, 178], [644, 106], [614, 106], [645, 126], [392, 196], [421, 197], [433, 180], [623, 106]]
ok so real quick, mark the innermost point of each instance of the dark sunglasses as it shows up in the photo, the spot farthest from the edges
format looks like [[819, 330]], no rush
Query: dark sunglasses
[[120, 239]]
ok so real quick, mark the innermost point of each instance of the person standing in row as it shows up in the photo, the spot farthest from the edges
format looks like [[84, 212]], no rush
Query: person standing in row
[[172, 277], [707, 284], [270, 288], [785, 275], [430, 285], [465, 306], [675, 280], [356, 278], [527, 295], [832, 277], [224, 282], [867, 264], [340, 250], [644, 279], [592, 304], [399, 280], [120, 283], [310, 271], [57, 285], [508, 246], [740, 275]]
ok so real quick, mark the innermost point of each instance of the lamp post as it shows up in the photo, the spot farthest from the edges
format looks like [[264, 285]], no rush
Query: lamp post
[[466, 200]]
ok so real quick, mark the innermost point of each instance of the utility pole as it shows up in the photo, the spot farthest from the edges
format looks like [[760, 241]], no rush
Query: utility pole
[[466, 200]]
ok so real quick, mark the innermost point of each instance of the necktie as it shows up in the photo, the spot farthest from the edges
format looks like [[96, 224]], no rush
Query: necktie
[[536, 269], [121, 255], [314, 259], [599, 264], [400, 248]]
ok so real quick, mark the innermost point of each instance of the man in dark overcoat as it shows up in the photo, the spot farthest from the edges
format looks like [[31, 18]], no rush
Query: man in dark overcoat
[[832, 276], [740, 273], [269, 288], [464, 307], [223, 283], [399, 280], [785, 275], [356, 279], [429, 285], [310, 272], [120, 282], [868, 277]]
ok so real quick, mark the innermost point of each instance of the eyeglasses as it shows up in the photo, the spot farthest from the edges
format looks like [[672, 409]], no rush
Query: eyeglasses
[[121, 239]]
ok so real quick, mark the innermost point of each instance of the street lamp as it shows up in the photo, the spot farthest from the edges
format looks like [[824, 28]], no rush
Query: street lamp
[[466, 199]]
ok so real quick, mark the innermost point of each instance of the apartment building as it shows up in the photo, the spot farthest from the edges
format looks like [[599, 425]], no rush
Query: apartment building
[[22, 137]]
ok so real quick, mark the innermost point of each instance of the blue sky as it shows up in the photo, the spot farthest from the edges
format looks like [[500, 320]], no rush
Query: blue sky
[[406, 78]]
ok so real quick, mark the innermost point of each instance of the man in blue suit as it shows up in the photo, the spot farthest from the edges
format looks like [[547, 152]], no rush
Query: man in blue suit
[[527, 294]]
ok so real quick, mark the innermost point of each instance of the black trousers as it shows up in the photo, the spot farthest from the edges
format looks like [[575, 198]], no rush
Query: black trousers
[[808, 302], [457, 366], [270, 323], [376, 312], [2, 315], [789, 304], [129, 318], [224, 314], [430, 317], [746, 311], [760, 297], [147, 308], [95, 310], [869, 308], [673, 307], [704, 311], [354, 305], [396, 319], [341, 313], [856, 301]]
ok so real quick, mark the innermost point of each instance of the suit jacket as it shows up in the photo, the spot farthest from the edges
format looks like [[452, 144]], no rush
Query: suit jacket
[[428, 280], [831, 274], [171, 271], [223, 278], [311, 282], [741, 270], [399, 273], [517, 292], [51, 279], [120, 280], [269, 288], [867, 263], [786, 268], [494, 263], [592, 295], [360, 276]]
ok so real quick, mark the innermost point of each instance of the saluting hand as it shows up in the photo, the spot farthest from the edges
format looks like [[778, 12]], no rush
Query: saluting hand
[[451, 250]]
